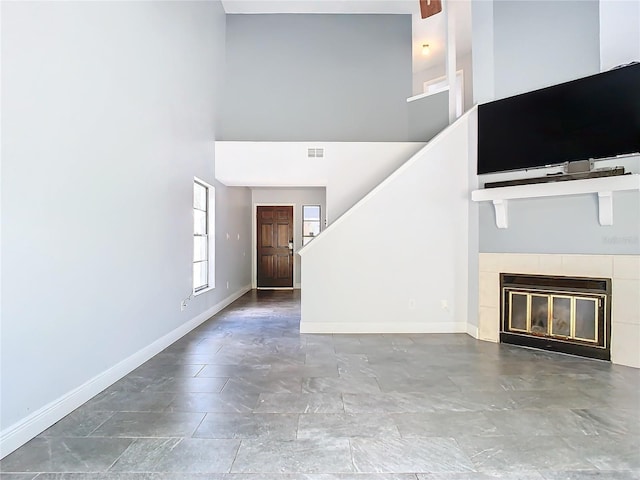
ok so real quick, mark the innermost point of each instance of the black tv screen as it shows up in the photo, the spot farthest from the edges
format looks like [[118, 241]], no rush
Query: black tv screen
[[589, 118]]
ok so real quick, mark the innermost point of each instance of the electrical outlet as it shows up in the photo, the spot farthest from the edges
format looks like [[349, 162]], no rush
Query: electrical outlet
[[227, 285], [444, 305], [183, 305], [412, 304]]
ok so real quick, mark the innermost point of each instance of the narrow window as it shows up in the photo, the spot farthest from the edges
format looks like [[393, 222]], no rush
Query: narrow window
[[203, 195], [310, 222]]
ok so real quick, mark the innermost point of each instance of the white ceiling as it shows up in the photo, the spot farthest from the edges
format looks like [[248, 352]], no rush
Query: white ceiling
[[431, 30]]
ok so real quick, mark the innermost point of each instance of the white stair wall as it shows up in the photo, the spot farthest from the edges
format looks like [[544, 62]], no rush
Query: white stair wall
[[398, 261]]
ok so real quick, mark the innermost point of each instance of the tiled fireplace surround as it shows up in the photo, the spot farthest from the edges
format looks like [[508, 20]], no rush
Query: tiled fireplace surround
[[624, 271]]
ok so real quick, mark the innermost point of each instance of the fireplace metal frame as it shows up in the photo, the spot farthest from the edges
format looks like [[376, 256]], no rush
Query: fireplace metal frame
[[558, 286]]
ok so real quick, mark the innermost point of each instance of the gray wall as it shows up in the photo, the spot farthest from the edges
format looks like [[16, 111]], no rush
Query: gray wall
[[108, 112], [482, 56], [563, 225], [539, 43], [317, 77], [428, 116], [522, 45]]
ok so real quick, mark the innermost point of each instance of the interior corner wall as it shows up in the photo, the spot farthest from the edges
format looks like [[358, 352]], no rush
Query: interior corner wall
[[296, 197], [523, 45], [317, 77], [482, 57], [619, 33], [538, 43], [108, 113]]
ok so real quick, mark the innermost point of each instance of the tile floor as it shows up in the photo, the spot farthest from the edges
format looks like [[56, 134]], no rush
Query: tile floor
[[246, 397]]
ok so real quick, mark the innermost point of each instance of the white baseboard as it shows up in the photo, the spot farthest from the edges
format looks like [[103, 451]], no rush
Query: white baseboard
[[472, 330], [382, 327], [24, 430]]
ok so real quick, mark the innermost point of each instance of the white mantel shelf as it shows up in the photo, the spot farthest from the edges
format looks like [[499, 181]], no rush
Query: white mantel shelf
[[603, 186]]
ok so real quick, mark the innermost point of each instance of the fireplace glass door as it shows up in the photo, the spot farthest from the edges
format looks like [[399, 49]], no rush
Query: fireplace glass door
[[565, 314], [554, 315]]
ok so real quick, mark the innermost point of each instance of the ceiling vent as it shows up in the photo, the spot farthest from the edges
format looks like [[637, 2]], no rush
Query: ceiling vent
[[315, 152]]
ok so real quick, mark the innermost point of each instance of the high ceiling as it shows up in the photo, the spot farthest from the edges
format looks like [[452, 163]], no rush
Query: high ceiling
[[431, 30]]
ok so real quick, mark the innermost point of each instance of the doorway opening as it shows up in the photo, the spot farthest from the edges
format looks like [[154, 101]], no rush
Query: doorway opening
[[274, 246]]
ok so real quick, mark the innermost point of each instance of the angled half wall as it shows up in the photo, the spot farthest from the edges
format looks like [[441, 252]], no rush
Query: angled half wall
[[399, 260]]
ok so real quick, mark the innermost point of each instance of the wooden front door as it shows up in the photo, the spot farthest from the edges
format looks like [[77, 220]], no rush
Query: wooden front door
[[275, 246]]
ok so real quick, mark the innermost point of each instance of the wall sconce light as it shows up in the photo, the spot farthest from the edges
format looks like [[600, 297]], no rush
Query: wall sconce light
[[425, 49]]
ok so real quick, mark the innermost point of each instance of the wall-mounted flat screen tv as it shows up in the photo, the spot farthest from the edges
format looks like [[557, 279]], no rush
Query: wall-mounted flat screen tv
[[590, 118]]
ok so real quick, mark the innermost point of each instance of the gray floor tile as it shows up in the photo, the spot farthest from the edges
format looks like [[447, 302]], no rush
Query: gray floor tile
[[522, 453], [274, 426], [188, 384], [346, 425], [472, 401], [195, 455], [542, 422], [387, 403], [322, 476], [354, 365], [131, 476], [609, 421], [270, 384], [340, 385], [17, 476], [481, 476], [592, 475], [608, 452], [309, 369], [214, 402], [409, 455], [492, 383], [559, 398], [126, 401], [79, 423], [149, 424], [444, 424], [401, 383], [257, 370], [183, 358], [300, 403], [302, 456], [152, 370], [65, 455]]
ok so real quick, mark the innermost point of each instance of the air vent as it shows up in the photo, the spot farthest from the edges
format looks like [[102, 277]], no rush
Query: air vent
[[315, 152]]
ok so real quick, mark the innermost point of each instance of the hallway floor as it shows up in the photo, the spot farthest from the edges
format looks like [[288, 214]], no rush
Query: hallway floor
[[246, 397]]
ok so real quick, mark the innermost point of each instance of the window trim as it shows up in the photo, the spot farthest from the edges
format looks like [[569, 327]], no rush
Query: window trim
[[210, 238], [311, 237]]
